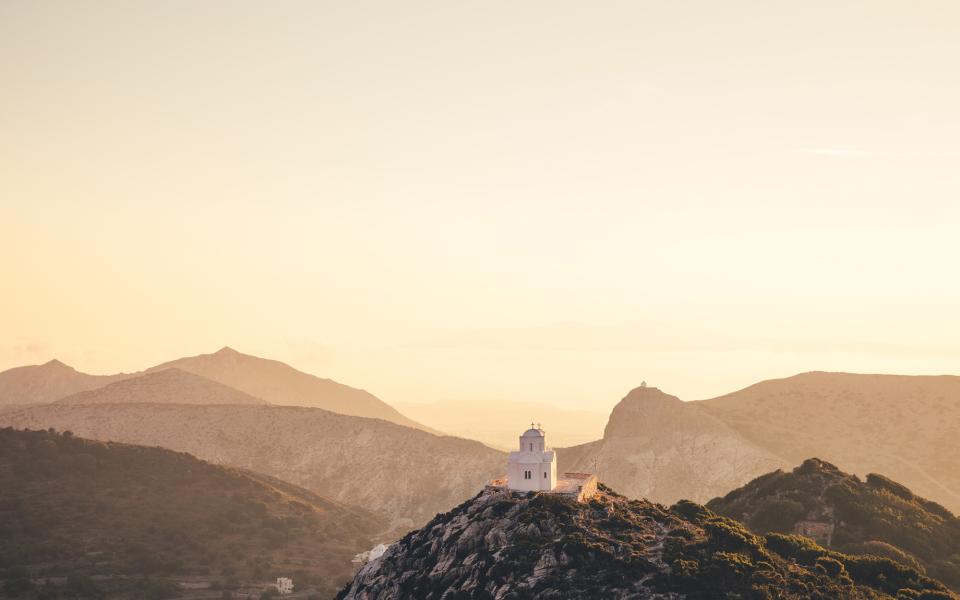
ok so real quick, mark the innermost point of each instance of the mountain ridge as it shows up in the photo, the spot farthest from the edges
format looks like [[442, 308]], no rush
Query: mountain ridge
[[47, 382], [172, 385], [406, 474], [279, 383], [271, 381], [865, 422]]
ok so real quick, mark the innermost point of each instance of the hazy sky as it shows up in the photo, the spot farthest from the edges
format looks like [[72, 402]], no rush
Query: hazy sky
[[546, 201]]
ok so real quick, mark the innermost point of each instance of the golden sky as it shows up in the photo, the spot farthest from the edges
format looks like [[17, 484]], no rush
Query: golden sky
[[546, 201]]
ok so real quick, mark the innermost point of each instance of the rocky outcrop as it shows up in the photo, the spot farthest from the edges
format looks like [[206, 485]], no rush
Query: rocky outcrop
[[656, 446], [405, 474], [506, 545]]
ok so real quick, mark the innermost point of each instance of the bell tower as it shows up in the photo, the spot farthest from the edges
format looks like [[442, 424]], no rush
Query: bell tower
[[533, 466]]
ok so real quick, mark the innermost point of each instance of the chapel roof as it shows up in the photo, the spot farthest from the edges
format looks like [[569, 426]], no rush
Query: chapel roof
[[533, 433]]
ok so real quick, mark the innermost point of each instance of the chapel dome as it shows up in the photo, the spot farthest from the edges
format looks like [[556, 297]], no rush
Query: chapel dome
[[533, 433]]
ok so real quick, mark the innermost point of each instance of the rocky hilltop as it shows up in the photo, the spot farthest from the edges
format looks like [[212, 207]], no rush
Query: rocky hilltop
[[405, 474], [169, 386], [504, 545], [873, 516], [905, 427], [658, 447], [117, 513]]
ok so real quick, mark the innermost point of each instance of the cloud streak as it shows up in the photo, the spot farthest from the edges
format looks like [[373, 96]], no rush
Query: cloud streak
[[847, 153], [857, 153]]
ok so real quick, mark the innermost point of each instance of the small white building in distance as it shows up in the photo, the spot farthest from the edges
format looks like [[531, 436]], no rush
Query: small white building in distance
[[534, 466], [284, 585]]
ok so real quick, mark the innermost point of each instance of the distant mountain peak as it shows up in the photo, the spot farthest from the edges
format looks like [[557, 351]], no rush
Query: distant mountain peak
[[33, 384], [279, 383], [646, 392], [644, 408], [57, 364], [170, 385], [656, 446]]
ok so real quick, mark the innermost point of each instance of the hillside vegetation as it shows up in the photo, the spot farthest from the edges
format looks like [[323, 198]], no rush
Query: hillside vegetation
[[71, 507], [521, 545], [876, 516], [404, 474]]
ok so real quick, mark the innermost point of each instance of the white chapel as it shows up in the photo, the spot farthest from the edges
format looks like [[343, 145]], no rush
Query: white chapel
[[534, 466]]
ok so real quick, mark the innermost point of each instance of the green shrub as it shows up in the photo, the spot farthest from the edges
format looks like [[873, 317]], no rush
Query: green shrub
[[777, 514], [881, 482]]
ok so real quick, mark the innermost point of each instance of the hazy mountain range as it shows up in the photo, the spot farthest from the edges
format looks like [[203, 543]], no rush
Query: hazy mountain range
[[653, 445], [658, 447], [905, 427], [169, 386], [256, 380], [405, 474], [49, 382], [242, 411], [279, 383]]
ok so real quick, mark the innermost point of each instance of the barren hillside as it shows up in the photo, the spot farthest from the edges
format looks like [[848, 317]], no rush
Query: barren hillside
[[905, 427]]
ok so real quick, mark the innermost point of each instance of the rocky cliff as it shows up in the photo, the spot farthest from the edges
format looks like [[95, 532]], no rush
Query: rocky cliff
[[656, 446], [502, 545]]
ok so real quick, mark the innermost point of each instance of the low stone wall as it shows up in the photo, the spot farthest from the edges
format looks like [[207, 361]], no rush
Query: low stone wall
[[581, 486], [588, 489]]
